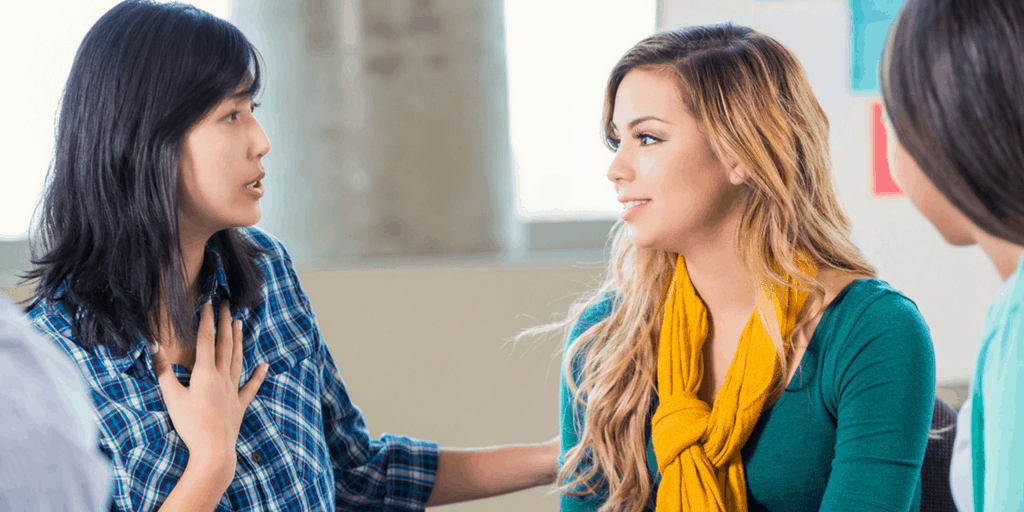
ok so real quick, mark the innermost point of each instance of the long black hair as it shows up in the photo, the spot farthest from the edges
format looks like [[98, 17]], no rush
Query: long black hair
[[953, 84], [107, 245]]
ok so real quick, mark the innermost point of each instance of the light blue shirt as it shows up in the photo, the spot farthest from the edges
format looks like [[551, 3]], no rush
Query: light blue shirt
[[985, 436], [49, 444]]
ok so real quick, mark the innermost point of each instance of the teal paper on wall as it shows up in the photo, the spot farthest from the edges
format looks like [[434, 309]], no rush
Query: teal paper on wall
[[870, 22]]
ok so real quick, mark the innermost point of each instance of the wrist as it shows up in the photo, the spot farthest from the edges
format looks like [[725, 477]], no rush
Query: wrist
[[545, 459], [214, 468], [554, 451]]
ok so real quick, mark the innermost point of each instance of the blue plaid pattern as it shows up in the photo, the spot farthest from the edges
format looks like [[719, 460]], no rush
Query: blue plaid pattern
[[303, 444]]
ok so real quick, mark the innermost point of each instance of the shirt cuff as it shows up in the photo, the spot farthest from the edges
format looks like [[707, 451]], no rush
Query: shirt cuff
[[411, 471]]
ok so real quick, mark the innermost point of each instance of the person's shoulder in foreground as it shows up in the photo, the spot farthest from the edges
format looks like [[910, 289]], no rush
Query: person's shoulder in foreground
[[48, 442], [996, 402]]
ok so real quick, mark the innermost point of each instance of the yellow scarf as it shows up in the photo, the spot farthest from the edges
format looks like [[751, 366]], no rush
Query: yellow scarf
[[698, 447]]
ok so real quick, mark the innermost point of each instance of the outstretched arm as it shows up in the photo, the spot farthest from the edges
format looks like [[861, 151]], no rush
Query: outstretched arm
[[470, 474]]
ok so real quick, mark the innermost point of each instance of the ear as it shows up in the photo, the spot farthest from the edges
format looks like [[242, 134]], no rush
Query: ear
[[738, 173]]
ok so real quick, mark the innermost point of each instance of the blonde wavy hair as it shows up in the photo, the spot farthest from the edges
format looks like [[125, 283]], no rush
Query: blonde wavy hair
[[754, 104]]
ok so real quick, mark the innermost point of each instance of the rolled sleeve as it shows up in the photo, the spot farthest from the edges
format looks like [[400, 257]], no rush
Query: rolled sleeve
[[390, 473]]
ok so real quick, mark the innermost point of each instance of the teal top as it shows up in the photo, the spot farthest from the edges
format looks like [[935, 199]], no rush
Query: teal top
[[998, 468], [849, 431]]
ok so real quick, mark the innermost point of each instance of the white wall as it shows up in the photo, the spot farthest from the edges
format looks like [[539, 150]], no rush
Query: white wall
[[951, 286]]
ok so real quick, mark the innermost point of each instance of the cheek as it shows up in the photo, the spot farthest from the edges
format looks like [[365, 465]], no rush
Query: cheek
[[953, 225], [187, 186], [200, 186], [906, 173]]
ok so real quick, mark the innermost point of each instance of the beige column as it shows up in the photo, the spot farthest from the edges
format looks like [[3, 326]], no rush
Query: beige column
[[388, 122]]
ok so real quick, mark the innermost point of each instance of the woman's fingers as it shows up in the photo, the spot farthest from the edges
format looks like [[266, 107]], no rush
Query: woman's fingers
[[248, 391], [204, 338], [225, 341], [236, 355]]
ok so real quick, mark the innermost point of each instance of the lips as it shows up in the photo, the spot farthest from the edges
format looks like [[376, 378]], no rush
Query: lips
[[632, 206], [255, 187], [258, 182]]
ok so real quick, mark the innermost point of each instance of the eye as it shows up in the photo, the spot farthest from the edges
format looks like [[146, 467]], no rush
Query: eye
[[612, 142], [647, 139], [253, 106], [232, 117]]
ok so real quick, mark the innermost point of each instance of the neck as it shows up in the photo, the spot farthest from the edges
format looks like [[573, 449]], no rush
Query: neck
[[1005, 255], [719, 274], [193, 249]]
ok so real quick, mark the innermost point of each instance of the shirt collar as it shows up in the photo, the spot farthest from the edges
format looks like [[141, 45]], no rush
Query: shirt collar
[[215, 287], [216, 279]]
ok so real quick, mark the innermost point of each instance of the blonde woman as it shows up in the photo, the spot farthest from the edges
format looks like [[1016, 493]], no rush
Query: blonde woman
[[740, 354]]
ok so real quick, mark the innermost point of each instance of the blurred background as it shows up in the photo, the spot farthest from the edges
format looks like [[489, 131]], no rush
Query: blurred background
[[438, 176]]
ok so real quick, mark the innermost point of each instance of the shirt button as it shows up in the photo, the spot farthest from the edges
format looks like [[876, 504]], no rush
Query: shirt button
[[257, 458]]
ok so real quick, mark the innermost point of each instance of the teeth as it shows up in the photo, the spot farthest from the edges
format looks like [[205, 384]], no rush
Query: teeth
[[631, 204]]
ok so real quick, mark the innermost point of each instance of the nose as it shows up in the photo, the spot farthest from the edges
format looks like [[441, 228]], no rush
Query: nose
[[260, 143], [620, 171]]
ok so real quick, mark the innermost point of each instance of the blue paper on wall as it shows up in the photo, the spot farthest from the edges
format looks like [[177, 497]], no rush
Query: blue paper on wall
[[870, 22]]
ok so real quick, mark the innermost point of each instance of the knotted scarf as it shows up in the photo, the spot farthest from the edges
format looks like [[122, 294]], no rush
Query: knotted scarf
[[698, 447]]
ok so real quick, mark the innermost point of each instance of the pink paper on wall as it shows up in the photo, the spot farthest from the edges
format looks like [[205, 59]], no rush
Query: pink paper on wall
[[882, 183]]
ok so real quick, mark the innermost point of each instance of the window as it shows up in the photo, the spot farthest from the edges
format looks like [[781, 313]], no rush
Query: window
[[559, 57], [40, 39]]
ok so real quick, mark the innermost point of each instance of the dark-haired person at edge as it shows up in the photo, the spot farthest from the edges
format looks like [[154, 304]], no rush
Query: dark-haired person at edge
[[740, 354], [213, 387], [952, 79]]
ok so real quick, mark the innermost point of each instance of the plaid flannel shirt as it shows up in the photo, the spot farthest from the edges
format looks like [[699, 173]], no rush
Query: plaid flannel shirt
[[303, 445]]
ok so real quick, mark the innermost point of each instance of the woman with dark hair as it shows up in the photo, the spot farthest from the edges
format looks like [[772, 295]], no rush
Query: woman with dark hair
[[953, 86], [143, 242]]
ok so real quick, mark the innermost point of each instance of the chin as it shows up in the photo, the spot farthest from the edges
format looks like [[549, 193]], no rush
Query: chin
[[239, 222], [957, 239], [250, 219], [951, 230], [645, 242]]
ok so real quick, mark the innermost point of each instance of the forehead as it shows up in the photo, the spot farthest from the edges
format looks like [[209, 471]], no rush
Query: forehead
[[647, 92], [244, 90]]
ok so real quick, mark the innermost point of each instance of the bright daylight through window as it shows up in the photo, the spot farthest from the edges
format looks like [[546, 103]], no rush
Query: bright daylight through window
[[559, 56], [40, 39]]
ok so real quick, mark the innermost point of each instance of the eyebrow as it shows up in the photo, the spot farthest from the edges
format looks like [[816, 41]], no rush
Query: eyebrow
[[639, 120]]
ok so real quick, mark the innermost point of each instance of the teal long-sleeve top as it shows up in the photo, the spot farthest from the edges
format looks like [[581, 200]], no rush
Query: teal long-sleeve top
[[850, 430]]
